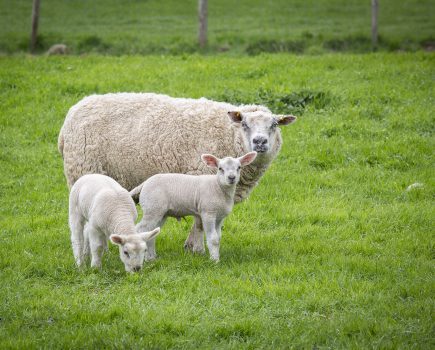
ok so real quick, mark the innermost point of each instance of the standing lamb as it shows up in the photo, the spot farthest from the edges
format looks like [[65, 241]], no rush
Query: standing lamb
[[210, 198], [133, 136], [100, 208]]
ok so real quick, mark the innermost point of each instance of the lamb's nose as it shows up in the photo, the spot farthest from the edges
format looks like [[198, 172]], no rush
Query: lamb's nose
[[231, 177], [259, 140], [136, 268]]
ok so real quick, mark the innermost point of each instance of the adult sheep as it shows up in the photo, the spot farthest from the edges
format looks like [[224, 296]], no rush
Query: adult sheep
[[132, 136]]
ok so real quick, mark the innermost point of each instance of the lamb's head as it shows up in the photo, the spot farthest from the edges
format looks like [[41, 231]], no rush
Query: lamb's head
[[260, 129], [228, 168], [132, 248]]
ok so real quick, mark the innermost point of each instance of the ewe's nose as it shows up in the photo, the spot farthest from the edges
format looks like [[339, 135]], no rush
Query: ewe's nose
[[136, 268], [259, 140]]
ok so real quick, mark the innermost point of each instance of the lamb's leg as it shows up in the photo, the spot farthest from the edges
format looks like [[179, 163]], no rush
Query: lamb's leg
[[213, 239], [195, 241], [76, 224], [86, 249], [149, 223], [96, 245]]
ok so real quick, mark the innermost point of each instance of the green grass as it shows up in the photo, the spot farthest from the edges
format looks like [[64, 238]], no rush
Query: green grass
[[329, 251], [244, 26]]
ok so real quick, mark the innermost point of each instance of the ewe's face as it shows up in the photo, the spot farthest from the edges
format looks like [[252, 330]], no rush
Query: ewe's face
[[259, 128], [132, 248]]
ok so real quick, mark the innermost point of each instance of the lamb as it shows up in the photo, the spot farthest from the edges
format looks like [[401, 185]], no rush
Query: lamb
[[100, 208], [208, 197], [133, 136], [58, 49]]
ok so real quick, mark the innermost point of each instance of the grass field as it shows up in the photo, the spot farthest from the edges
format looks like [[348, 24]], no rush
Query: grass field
[[243, 26], [329, 251]]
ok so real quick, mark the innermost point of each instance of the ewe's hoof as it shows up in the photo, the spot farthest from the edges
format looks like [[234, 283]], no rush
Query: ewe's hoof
[[196, 250]]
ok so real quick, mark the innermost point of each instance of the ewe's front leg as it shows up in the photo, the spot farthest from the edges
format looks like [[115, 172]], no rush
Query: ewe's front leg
[[195, 241], [213, 239]]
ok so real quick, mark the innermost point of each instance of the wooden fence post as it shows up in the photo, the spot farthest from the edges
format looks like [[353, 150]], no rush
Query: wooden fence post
[[202, 14], [375, 6], [35, 19]]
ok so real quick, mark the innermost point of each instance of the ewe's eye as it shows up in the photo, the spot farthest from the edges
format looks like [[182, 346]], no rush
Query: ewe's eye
[[274, 125], [245, 126], [126, 254], [221, 170]]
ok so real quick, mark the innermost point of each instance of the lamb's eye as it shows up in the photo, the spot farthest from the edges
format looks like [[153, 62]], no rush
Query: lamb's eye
[[238, 169], [126, 254], [245, 126], [274, 125], [220, 169]]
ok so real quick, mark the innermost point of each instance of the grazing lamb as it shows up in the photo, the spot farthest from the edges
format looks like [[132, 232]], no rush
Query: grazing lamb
[[133, 136], [208, 197], [100, 208]]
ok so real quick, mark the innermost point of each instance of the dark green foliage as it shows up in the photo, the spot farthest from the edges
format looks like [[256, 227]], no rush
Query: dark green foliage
[[272, 46], [92, 43], [294, 102]]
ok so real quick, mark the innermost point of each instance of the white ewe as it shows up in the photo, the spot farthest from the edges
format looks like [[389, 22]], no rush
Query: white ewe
[[133, 136]]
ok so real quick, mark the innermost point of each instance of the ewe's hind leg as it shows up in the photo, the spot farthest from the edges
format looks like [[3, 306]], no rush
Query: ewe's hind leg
[[148, 224], [213, 239], [195, 241], [76, 224]]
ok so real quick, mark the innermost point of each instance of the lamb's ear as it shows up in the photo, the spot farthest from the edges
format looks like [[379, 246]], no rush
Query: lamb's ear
[[235, 117], [210, 160], [146, 236], [248, 158], [117, 239], [285, 119]]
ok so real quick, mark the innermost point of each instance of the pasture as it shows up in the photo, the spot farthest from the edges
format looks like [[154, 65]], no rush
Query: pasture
[[329, 251]]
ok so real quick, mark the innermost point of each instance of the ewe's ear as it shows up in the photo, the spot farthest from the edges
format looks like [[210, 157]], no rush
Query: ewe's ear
[[117, 239], [210, 160], [285, 119], [146, 236], [248, 158], [235, 117]]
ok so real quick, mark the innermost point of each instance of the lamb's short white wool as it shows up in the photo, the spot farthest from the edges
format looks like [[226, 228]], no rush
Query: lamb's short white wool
[[210, 198], [100, 208]]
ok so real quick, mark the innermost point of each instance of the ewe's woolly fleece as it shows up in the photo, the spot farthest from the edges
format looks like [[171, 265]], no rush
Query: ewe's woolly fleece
[[132, 136]]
